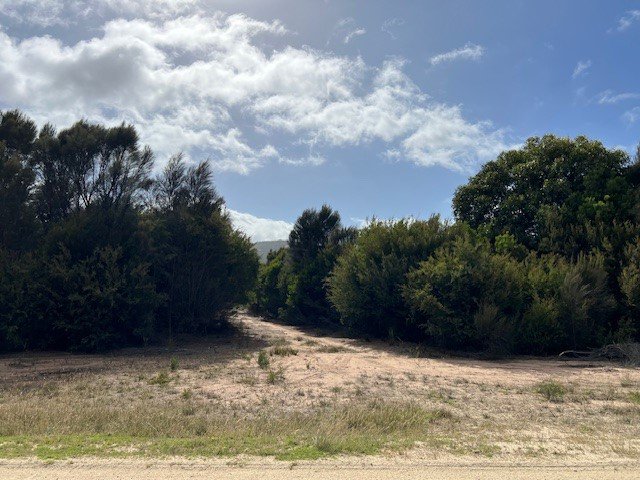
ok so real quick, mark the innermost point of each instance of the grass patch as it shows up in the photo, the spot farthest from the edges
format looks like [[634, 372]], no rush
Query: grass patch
[[137, 430], [284, 351], [332, 349], [248, 379], [160, 379], [552, 390], [173, 364], [275, 376], [635, 397], [263, 360]]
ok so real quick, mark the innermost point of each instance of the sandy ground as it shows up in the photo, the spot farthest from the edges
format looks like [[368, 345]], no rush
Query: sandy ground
[[136, 470], [595, 429]]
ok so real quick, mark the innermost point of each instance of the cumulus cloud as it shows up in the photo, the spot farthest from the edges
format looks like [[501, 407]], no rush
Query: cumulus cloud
[[469, 51], [260, 229], [205, 84], [581, 68]]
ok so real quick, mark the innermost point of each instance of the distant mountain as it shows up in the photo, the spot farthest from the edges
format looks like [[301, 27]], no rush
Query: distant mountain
[[264, 248]]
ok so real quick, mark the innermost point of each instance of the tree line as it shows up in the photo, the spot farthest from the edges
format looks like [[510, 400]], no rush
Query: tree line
[[97, 252], [543, 255]]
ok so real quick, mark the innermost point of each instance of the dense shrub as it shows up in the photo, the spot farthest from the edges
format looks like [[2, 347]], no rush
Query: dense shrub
[[571, 304], [95, 253], [467, 296], [292, 284], [630, 285], [273, 284], [366, 284]]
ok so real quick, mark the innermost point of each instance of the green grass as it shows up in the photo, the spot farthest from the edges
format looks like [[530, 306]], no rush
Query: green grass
[[635, 397], [551, 390], [275, 376], [173, 364], [160, 379], [263, 360], [356, 429], [283, 351]]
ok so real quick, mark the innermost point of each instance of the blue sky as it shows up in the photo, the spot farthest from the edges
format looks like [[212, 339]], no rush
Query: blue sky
[[377, 108]]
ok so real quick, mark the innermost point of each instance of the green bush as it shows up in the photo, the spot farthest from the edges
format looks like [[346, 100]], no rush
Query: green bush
[[552, 390], [630, 284], [273, 284], [571, 305], [263, 360], [292, 285], [467, 296], [97, 253], [366, 283]]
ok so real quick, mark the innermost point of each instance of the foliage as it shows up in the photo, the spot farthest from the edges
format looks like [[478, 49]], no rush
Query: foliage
[[95, 253], [201, 265], [273, 283], [551, 390], [630, 284], [292, 284], [550, 194], [366, 284], [467, 296]]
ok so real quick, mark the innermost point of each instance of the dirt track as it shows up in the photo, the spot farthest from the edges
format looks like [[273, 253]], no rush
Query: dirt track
[[499, 418], [116, 470]]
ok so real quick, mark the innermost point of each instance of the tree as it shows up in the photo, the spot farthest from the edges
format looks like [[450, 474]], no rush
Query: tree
[[273, 284], [550, 194], [17, 220], [89, 165], [202, 265], [314, 244], [366, 284]]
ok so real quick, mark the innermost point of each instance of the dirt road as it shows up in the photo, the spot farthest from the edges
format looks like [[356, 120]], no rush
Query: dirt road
[[495, 420], [115, 470]]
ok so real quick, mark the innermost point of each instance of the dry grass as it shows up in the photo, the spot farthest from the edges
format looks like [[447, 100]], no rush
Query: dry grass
[[234, 395], [67, 424]]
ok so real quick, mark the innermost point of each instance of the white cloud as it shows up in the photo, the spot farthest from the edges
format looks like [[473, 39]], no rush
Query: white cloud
[[312, 159], [346, 29], [470, 51], [38, 12], [354, 33], [631, 116], [581, 68], [394, 110], [627, 20], [207, 86], [609, 97], [260, 229], [390, 25], [46, 13]]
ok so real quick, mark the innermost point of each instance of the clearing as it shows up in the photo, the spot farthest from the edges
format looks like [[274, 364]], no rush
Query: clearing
[[307, 397]]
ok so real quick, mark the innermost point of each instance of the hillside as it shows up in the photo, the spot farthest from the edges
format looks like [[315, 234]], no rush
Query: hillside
[[264, 248]]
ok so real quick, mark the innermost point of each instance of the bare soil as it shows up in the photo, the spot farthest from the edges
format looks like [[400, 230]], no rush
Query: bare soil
[[501, 418]]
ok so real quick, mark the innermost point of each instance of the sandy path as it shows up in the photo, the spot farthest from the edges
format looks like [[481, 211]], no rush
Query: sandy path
[[114, 470], [499, 418]]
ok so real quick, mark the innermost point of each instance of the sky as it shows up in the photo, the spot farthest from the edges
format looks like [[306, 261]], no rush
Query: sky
[[377, 108]]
